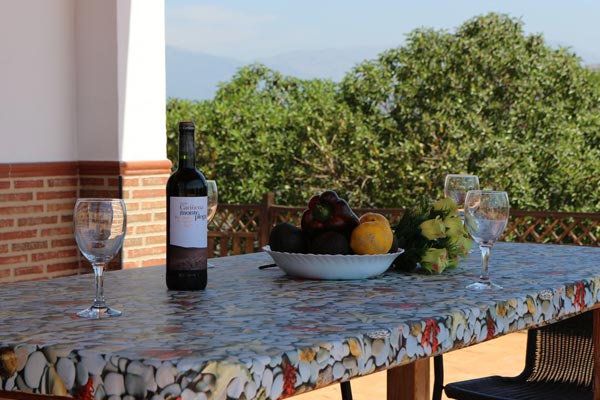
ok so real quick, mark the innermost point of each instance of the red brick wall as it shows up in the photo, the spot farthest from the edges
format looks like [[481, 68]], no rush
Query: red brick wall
[[36, 217], [36, 214]]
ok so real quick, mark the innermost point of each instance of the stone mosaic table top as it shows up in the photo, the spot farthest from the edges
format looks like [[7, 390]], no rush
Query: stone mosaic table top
[[261, 334]]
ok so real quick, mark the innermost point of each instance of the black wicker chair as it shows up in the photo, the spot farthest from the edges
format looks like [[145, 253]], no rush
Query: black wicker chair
[[559, 364]]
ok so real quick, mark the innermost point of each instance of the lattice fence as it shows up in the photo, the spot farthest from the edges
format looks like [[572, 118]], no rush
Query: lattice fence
[[240, 229], [553, 227], [235, 229]]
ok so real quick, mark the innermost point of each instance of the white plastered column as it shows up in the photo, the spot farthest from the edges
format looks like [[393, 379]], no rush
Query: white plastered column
[[142, 82], [121, 87]]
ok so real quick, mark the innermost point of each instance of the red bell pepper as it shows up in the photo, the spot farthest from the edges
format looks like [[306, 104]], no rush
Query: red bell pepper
[[328, 212]]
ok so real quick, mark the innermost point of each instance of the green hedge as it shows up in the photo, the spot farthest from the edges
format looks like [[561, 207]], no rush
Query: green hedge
[[485, 99]]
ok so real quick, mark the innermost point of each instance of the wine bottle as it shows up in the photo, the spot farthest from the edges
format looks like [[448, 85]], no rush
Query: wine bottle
[[187, 233]]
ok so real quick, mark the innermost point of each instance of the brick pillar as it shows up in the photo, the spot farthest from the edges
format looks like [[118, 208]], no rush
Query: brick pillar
[[100, 179], [143, 188], [142, 185]]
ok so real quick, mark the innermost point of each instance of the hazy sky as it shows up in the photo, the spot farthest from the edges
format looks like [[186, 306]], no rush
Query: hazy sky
[[247, 29]]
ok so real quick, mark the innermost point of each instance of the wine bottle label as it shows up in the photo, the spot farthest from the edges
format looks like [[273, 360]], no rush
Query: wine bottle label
[[188, 222]]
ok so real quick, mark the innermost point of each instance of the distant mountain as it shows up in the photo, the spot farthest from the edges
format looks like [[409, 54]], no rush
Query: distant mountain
[[324, 64], [196, 76]]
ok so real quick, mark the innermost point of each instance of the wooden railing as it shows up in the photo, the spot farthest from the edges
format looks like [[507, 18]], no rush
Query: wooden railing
[[240, 229]]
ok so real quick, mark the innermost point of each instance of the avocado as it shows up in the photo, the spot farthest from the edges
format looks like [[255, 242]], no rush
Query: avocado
[[287, 238], [329, 242], [394, 247]]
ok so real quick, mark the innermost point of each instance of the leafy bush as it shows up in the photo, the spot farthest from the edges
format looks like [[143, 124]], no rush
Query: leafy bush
[[485, 99], [267, 132]]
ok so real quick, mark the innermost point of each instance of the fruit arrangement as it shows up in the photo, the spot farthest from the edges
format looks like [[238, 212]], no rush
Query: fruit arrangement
[[329, 226]]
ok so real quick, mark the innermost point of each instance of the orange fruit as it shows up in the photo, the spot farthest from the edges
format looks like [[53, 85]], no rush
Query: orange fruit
[[373, 217], [372, 237]]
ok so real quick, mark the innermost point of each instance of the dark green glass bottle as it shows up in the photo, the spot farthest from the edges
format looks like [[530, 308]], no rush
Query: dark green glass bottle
[[187, 233]]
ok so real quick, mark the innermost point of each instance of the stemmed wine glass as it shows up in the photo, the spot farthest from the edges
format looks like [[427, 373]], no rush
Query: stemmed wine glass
[[486, 213], [213, 200], [100, 226], [456, 187]]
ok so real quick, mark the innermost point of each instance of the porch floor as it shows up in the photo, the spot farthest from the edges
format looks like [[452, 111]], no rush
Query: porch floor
[[502, 356]]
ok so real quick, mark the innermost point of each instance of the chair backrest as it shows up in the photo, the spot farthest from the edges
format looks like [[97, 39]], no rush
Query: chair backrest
[[562, 352]]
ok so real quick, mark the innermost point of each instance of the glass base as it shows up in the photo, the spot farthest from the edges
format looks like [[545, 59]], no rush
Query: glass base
[[484, 286], [99, 312]]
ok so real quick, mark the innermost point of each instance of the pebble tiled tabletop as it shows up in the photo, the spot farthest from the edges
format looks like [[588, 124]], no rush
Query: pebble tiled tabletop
[[261, 334]]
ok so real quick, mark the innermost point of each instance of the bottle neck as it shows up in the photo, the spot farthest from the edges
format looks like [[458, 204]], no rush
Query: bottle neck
[[187, 151]]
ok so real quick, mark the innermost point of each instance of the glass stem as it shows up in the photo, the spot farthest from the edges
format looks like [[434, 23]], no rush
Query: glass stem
[[99, 275], [484, 277]]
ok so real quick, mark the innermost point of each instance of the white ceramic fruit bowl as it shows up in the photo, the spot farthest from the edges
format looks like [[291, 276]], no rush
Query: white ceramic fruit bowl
[[332, 266]]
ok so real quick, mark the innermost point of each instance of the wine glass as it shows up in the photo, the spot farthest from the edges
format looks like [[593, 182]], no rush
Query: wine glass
[[456, 187], [213, 200], [486, 213], [99, 226]]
